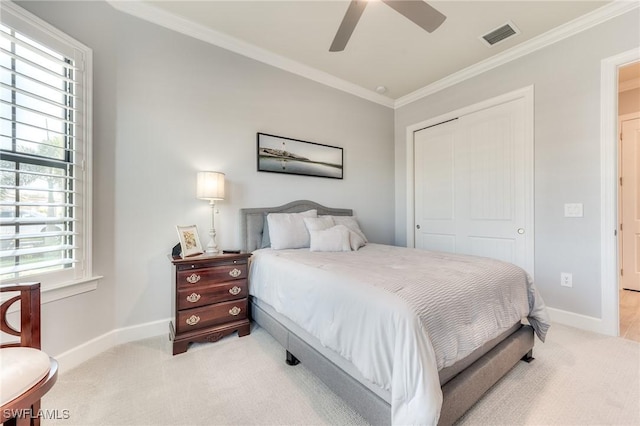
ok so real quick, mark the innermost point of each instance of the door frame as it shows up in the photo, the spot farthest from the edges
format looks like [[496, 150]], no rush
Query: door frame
[[621, 118], [610, 265], [527, 93]]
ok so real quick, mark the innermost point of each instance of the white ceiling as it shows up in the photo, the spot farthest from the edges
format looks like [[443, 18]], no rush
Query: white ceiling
[[386, 49]]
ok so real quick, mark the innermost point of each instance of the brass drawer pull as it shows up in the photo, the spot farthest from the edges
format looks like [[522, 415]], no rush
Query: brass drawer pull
[[235, 272], [193, 297], [235, 290], [193, 320], [235, 310], [193, 278]]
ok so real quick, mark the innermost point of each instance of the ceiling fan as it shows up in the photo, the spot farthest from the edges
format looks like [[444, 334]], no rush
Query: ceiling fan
[[416, 11]]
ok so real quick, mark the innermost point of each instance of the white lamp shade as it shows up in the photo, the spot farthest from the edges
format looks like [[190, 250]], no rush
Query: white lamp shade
[[210, 186]]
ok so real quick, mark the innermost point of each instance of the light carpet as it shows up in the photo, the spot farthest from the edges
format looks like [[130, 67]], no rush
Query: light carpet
[[578, 378]]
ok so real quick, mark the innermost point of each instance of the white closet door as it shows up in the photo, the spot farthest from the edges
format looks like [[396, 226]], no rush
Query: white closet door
[[630, 204], [471, 179], [435, 187]]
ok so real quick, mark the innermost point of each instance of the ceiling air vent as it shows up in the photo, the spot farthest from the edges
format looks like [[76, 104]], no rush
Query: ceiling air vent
[[500, 34]]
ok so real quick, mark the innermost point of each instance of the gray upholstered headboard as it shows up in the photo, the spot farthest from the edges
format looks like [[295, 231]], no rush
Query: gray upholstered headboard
[[252, 220]]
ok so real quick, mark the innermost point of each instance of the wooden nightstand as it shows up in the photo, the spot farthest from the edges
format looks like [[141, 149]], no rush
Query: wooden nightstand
[[209, 298]]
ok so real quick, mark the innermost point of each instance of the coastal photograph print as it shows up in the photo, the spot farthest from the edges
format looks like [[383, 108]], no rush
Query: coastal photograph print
[[189, 240], [278, 154]]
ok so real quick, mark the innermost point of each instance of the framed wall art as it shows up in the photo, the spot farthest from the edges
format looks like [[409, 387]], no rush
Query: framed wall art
[[189, 240], [277, 154]]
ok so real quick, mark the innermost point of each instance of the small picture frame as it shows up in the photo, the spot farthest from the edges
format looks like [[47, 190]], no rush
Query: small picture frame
[[189, 240]]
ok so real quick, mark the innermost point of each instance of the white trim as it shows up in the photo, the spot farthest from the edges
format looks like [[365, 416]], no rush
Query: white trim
[[63, 290], [81, 353], [87, 166], [572, 319], [168, 20], [598, 16], [56, 285], [56, 292], [13, 10], [173, 22], [528, 94], [609, 187]]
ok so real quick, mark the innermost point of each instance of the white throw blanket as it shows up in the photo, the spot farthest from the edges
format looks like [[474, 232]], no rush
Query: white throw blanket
[[424, 311]]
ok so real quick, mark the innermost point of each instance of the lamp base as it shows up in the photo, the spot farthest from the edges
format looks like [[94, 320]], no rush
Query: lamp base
[[214, 250], [212, 247]]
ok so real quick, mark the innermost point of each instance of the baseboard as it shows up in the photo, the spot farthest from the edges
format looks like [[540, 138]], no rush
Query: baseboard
[[142, 331], [76, 356], [580, 321]]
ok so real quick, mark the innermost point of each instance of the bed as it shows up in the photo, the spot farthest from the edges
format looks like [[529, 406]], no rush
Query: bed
[[387, 361]]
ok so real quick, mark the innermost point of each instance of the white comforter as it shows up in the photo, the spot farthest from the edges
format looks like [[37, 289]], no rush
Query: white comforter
[[424, 311]]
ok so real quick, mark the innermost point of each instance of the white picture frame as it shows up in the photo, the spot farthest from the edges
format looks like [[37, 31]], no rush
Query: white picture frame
[[189, 240]]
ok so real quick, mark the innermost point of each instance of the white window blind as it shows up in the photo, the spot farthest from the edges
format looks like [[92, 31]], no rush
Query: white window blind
[[44, 228]]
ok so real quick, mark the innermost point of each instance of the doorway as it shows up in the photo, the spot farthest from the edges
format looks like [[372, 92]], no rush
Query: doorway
[[609, 135], [628, 200]]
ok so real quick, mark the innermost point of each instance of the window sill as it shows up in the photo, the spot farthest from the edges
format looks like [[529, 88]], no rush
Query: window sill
[[72, 288]]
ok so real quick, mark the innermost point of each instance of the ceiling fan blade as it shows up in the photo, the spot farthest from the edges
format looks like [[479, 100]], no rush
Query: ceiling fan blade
[[418, 12], [348, 24]]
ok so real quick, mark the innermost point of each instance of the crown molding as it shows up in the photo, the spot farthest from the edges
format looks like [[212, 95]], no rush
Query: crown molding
[[598, 16], [184, 26]]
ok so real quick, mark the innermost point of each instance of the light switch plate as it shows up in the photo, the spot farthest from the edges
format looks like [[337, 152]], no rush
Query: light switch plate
[[573, 210]]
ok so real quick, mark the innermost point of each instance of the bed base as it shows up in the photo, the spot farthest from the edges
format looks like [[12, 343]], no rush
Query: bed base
[[292, 360], [528, 357], [459, 394]]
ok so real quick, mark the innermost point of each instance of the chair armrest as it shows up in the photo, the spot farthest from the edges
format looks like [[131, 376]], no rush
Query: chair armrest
[[29, 298], [19, 287]]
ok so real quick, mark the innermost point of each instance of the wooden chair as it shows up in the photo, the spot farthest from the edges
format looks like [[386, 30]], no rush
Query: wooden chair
[[26, 372]]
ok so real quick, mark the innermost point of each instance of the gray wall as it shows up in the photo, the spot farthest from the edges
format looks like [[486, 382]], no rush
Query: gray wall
[[566, 77], [167, 106]]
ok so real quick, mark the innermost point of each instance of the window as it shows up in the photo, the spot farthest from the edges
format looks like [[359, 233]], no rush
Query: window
[[45, 203]]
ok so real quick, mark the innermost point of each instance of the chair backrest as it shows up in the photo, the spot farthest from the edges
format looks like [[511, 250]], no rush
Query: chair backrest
[[29, 298]]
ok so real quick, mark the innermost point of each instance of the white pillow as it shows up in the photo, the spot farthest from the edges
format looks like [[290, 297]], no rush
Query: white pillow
[[318, 223], [358, 239], [351, 223], [355, 240], [335, 238], [287, 230]]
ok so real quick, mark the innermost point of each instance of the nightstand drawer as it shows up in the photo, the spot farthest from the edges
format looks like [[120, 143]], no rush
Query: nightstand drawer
[[215, 274], [200, 295], [192, 319]]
